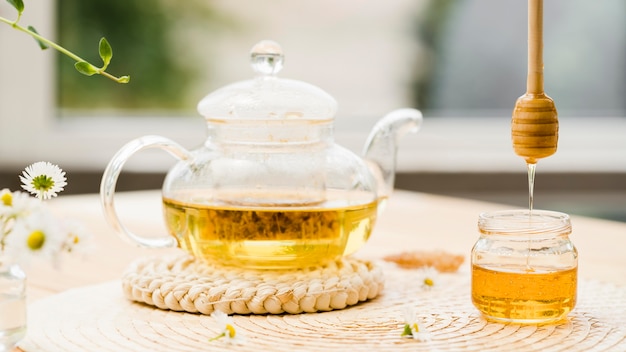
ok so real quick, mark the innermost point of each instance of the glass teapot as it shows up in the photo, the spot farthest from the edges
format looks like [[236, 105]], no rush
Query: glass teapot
[[269, 188]]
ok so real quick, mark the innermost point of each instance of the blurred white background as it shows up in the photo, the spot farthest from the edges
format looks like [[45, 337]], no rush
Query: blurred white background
[[462, 62]]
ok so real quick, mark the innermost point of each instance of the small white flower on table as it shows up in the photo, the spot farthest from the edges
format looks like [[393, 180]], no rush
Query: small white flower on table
[[412, 327], [227, 328], [427, 277]]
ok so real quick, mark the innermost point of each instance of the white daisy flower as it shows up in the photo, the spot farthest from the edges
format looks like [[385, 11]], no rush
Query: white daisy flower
[[227, 328], [427, 277], [77, 239], [412, 328], [17, 204], [43, 179], [36, 235], [13, 206], [28, 229]]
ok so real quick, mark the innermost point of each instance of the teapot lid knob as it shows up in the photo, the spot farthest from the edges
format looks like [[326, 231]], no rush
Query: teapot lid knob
[[268, 97], [266, 57]]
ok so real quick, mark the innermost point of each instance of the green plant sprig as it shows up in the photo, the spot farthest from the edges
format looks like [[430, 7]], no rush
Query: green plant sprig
[[81, 65]]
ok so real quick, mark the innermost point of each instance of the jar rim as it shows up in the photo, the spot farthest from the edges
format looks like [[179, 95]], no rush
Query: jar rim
[[524, 222]]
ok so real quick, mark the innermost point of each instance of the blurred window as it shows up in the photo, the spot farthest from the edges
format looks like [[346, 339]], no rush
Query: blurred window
[[451, 58]]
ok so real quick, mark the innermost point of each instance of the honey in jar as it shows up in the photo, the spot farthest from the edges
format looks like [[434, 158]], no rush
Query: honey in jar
[[524, 267]]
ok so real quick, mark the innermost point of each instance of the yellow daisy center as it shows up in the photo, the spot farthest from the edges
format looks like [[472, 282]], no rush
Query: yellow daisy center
[[36, 240], [7, 199], [230, 330], [429, 282]]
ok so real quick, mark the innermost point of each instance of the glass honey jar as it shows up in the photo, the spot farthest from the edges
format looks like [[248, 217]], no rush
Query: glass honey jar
[[524, 267]]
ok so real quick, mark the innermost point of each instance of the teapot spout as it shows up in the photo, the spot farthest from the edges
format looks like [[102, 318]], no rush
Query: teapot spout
[[382, 145]]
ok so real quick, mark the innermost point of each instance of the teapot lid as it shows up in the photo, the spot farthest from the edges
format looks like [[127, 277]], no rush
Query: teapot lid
[[267, 97]]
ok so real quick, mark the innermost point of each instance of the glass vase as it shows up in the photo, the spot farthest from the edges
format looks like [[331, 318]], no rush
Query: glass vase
[[12, 304]]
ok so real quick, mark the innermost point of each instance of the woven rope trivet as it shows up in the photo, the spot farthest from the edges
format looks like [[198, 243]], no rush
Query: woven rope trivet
[[181, 283], [99, 318]]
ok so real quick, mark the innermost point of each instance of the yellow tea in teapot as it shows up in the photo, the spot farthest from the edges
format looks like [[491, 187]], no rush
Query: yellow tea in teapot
[[284, 236]]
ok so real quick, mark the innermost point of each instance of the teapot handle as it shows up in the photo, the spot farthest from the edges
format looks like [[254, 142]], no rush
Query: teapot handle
[[109, 181]]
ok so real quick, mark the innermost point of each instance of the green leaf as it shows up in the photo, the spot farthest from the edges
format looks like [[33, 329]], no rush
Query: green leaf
[[18, 4], [86, 68], [123, 79], [42, 45], [106, 52]]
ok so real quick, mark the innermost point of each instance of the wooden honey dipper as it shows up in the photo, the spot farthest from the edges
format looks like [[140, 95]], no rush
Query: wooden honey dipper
[[534, 126]]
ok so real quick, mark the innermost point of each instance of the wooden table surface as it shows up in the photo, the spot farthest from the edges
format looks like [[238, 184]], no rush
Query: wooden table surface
[[410, 221]]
